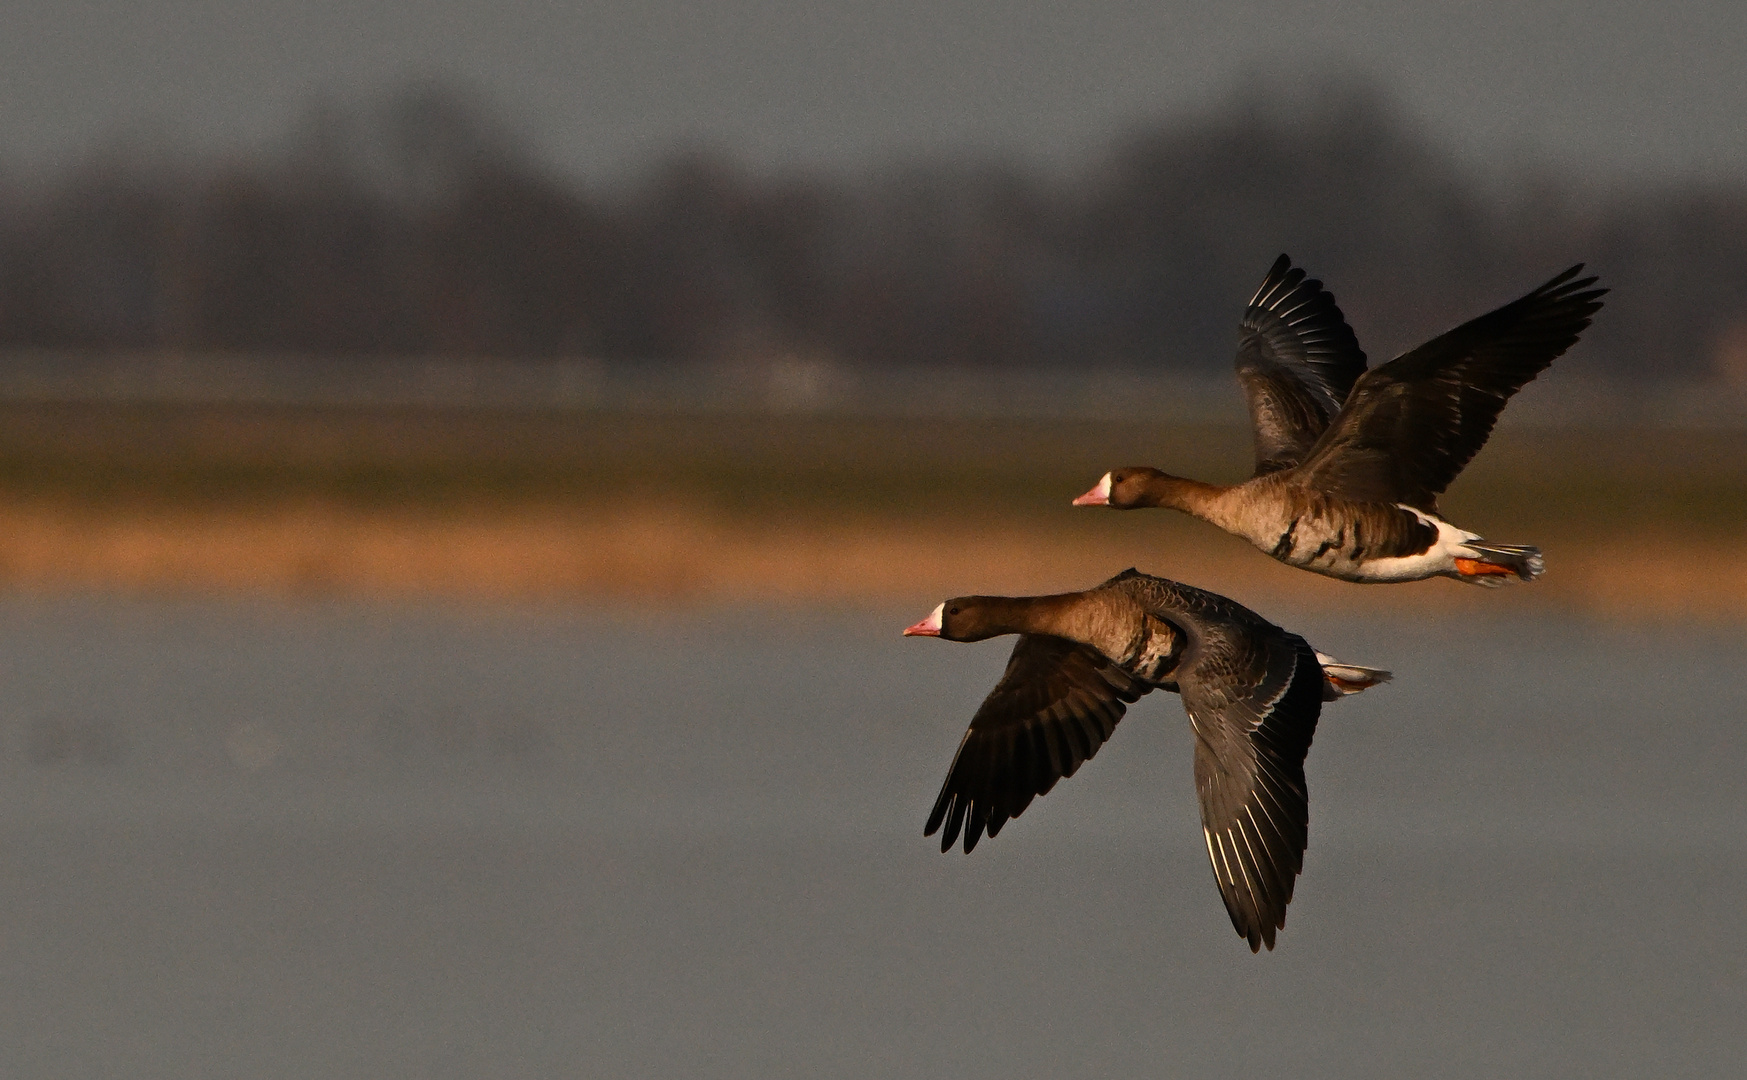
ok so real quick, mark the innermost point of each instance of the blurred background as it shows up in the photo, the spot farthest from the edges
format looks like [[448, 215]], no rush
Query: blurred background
[[463, 468]]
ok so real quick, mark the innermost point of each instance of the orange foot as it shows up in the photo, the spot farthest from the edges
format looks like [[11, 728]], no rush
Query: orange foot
[[1476, 568]]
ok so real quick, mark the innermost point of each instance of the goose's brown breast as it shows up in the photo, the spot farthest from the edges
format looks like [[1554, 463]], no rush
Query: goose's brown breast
[[1158, 647], [1315, 531]]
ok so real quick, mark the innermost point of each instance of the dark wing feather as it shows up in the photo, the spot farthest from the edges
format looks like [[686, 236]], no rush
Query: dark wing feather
[[1053, 708], [1410, 426], [1296, 359], [1254, 698]]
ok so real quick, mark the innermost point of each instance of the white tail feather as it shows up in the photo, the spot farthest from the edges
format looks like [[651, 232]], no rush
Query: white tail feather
[[1346, 679]]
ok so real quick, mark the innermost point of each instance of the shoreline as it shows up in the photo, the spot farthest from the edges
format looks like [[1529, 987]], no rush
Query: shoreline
[[695, 557], [663, 510]]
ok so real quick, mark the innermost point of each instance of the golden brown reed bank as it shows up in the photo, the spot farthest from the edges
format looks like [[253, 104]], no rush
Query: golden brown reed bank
[[786, 510]]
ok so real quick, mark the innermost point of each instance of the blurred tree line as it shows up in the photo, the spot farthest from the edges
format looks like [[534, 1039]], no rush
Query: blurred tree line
[[422, 227]]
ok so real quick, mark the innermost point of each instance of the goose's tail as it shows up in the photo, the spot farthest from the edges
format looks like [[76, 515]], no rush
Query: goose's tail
[[1496, 564], [1344, 679]]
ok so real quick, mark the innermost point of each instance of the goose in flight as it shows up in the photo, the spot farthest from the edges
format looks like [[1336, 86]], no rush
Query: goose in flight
[[1350, 462], [1253, 693]]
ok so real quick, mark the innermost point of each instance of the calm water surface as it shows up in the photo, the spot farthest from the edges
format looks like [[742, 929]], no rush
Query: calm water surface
[[344, 841]]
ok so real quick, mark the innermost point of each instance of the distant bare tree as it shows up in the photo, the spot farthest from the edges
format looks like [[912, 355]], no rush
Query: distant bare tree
[[422, 225]]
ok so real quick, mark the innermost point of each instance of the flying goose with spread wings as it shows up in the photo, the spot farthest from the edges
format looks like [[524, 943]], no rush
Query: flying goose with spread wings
[[1253, 693], [1350, 462]]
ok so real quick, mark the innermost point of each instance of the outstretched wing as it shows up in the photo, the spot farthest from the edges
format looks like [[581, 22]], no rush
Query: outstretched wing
[[1053, 708], [1253, 699], [1296, 359], [1410, 426]]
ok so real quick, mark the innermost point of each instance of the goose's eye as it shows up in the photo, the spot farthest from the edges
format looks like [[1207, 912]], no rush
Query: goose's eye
[[952, 611]]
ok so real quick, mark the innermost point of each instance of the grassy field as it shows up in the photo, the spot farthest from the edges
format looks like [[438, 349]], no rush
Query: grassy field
[[700, 509]]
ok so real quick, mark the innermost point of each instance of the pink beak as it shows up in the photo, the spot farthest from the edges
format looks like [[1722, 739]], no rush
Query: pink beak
[[1098, 496], [929, 627]]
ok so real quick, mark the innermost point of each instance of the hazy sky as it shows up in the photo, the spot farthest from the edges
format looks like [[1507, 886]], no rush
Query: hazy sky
[[1609, 86]]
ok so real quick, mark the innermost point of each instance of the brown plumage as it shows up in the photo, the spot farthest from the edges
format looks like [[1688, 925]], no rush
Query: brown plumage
[[1253, 693], [1350, 462]]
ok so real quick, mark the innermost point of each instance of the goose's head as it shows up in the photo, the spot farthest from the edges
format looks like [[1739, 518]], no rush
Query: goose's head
[[963, 618], [1122, 489]]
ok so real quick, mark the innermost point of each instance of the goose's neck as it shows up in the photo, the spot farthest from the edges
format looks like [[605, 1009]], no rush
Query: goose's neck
[[1065, 615], [1181, 493]]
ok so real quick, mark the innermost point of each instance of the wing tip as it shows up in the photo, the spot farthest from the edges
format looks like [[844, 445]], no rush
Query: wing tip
[[960, 813], [1566, 287], [1283, 280], [936, 815], [1301, 319]]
